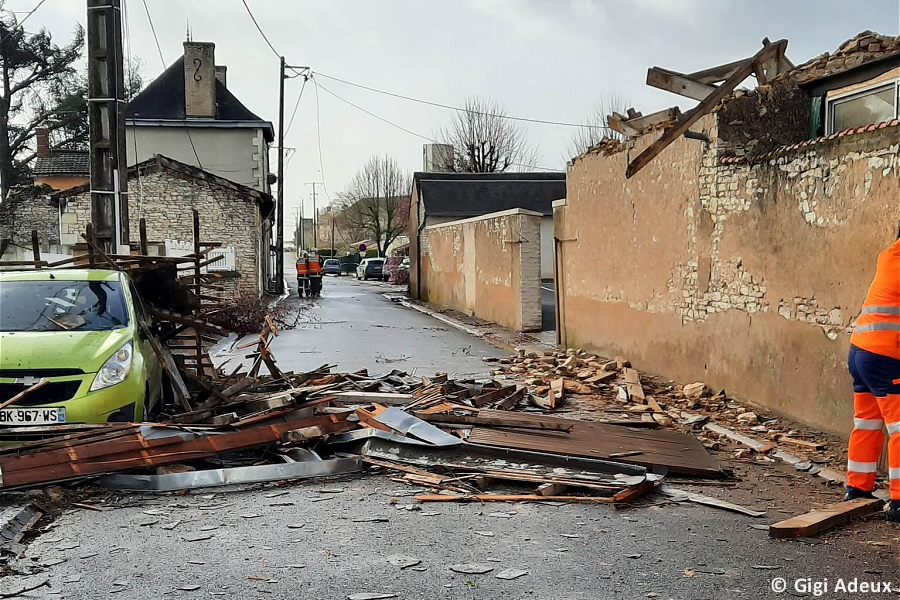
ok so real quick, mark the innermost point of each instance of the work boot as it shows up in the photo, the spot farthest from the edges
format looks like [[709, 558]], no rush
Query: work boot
[[855, 494], [893, 511]]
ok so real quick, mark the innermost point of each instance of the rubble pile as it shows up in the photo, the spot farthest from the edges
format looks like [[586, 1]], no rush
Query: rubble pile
[[594, 385]]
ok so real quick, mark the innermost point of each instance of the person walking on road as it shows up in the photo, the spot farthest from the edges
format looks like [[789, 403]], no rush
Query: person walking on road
[[874, 364]]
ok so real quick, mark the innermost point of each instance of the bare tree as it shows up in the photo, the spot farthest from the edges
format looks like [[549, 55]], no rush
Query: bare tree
[[596, 126], [32, 67], [485, 141], [370, 202]]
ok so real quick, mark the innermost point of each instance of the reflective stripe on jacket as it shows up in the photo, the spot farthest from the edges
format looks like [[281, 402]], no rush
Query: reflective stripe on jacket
[[878, 326]]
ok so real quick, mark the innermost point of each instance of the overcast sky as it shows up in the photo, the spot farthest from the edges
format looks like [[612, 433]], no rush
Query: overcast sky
[[542, 59]]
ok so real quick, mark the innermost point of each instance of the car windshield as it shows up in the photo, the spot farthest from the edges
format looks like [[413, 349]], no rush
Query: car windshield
[[62, 306], [376, 261], [332, 262]]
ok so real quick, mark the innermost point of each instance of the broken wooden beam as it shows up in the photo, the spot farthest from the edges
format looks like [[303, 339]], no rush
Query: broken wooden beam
[[706, 104], [678, 83]]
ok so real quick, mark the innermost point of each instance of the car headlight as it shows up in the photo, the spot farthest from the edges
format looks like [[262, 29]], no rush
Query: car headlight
[[116, 369]]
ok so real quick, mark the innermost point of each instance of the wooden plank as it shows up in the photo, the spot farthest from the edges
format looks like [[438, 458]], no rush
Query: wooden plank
[[168, 364], [24, 393], [692, 116], [492, 395], [510, 421], [658, 118], [388, 399], [619, 122], [785, 439], [511, 401], [142, 227], [511, 498], [633, 493], [652, 403], [822, 519], [36, 248], [716, 74], [633, 386], [678, 83]]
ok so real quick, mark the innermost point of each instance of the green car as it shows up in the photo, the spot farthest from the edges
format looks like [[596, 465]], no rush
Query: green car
[[84, 331]]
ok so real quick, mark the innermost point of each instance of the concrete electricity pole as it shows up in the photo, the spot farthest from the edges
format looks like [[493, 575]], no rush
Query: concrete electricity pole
[[279, 239], [106, 124]]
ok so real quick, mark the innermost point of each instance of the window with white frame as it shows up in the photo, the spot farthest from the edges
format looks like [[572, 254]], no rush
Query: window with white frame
[[873, 104]]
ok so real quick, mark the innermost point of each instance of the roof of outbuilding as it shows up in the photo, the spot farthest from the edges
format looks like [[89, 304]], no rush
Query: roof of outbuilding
[[63, 162], [164, 163], [474, 194], [163, 99]]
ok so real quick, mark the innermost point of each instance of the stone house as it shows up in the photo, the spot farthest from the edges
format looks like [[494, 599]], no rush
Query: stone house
[[740, 255], [164, 192]]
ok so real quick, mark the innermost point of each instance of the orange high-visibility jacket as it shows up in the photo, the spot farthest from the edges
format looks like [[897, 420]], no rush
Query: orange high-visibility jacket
[[315, 266], [878, 327], [302, 268]]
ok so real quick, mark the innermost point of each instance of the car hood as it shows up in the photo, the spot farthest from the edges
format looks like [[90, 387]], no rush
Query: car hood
[[85, 350]]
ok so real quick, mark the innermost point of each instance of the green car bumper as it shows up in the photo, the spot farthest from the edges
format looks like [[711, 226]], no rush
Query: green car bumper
[[121, 402]]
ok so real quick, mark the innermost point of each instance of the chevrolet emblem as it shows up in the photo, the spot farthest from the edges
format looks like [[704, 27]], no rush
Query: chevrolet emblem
[[29, 380]]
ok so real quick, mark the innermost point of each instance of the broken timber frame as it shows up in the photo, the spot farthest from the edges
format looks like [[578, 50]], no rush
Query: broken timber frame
[[765, 64]]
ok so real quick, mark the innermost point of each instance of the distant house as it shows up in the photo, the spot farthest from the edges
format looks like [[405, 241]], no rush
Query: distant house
[[164, 192], [60, 169], [189, 115], [442, 197]]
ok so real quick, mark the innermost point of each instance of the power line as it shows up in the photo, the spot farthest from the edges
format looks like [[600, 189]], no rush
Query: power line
[[319, 143], [457, 108], [391, 123], [371, 114], [20, 23], [264, 36], [259, 29], [153, 30], [294, 112]]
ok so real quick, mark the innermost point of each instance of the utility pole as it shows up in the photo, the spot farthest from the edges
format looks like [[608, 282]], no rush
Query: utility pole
[[302, 233], [296, 229], [332, 231], [315, 213], [106, 124], [279, 240]]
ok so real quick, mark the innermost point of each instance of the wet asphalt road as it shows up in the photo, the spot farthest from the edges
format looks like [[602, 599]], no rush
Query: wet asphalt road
[[330, 539], [355, 327]]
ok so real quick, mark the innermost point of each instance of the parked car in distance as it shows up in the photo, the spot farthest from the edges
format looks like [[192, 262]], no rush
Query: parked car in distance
[[331, 266], [370, 268], [83, 331]]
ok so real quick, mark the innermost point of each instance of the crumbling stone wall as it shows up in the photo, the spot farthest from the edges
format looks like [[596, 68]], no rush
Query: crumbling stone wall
[[225, 216], [488, 266], [27, 209], [748, 275]]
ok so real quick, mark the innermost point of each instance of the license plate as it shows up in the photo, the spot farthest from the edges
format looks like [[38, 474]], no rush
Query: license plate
[[32, 416]]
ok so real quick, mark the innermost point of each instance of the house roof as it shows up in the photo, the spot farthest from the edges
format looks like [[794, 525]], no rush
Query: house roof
[[163, 100], [474, 194], [861, 49], [163, 163], [63, 162]]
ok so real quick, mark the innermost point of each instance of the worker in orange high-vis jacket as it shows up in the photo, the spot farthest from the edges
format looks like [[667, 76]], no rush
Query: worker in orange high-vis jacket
[[875, 367]]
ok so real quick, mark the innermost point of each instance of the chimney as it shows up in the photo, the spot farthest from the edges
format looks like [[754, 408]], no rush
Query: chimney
[[43, 141], [220, 74], [200, 79], [437, 158]]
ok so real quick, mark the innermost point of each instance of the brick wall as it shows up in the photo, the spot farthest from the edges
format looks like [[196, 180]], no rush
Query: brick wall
[[747, 276], [488, 266], [168, 200]]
